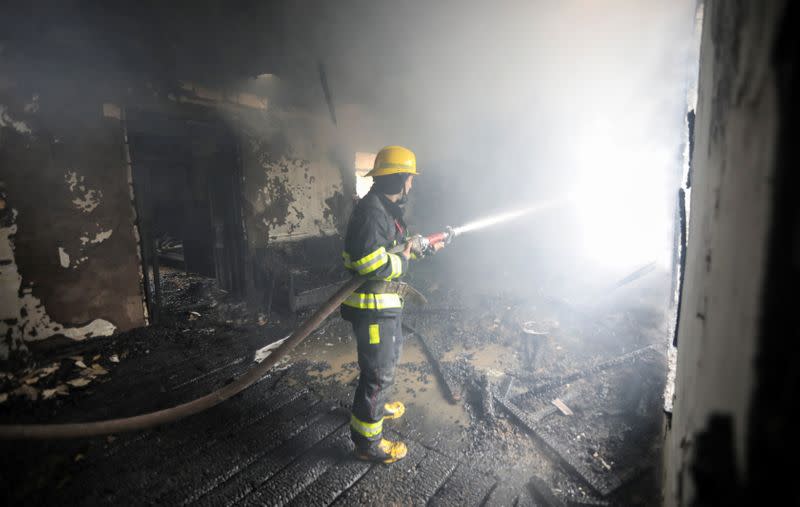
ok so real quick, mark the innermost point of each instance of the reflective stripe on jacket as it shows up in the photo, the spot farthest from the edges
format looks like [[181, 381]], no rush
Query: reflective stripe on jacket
[[375, 227]]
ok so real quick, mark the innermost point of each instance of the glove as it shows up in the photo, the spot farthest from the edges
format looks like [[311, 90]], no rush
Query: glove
[[420, 246]]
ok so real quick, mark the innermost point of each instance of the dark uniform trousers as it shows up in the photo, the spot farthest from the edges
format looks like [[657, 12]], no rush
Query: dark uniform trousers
[[380, 342]]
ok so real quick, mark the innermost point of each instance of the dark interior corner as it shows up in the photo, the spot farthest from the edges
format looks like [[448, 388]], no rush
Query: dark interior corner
[[772, 441]]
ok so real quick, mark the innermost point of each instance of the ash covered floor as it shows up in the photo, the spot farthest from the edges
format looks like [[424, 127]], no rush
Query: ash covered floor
[[481, 424]]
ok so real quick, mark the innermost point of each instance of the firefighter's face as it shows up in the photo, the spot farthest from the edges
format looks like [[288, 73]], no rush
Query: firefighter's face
[[409, 183]]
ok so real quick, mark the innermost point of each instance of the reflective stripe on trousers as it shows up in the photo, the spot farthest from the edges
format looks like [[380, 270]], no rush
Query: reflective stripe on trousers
[[369, 430]]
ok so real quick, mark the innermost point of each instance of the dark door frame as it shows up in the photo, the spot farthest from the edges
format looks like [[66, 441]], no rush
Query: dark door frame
[[231, 258]]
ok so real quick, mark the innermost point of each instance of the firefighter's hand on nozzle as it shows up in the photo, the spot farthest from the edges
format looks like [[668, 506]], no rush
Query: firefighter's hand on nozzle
[[407, 250], [421, 247]]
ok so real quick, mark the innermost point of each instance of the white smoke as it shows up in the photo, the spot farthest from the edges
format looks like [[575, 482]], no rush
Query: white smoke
[[513, 102]]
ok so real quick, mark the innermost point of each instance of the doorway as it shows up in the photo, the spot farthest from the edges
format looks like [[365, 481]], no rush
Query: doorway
[[187, 187]]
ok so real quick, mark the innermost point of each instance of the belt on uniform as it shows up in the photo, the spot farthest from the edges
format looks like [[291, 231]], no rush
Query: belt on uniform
[[403, 289]]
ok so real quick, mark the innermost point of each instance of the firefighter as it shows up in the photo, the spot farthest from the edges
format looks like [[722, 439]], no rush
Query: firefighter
[[375, 309]]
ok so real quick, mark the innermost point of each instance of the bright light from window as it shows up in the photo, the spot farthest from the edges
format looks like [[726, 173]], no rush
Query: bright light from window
[[622, 204]]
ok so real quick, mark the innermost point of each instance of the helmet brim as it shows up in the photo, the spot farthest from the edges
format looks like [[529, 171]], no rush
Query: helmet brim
[[387, 172]]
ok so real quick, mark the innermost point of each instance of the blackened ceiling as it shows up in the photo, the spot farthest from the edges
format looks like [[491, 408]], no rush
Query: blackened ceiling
[[210, 41]]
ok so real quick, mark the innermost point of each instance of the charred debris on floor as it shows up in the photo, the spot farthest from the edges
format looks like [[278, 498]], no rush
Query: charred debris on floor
[[582, 393], [201, 326], [478, 355]]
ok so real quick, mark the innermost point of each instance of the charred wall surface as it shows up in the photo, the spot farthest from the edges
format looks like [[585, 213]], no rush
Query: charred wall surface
[[70, 264], [70, 220], [294, 187], [298, 188], [733, 386]]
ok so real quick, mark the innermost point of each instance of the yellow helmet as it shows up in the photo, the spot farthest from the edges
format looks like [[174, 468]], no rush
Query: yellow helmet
[[394, 160]]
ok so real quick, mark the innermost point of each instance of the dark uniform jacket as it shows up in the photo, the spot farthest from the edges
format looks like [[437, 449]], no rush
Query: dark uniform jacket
[[375, 227]]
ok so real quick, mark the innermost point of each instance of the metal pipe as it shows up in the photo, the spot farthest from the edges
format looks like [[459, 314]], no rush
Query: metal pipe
[[143, 421]]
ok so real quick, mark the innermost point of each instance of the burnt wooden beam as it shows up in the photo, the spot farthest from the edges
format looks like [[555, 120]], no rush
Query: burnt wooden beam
[[505, 387], [451, 391], [603, 484], [561, 380]]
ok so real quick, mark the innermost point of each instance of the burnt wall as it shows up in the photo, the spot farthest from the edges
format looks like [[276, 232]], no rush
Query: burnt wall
[[742, 249], [69, 263], [298, 185], [293, 185]]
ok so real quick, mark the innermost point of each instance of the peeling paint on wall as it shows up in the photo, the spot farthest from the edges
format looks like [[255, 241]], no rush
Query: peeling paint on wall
[[86, 199], [78, 257], [63, 257], [98, 238], [7, 121], [291, 200], [23, 317]]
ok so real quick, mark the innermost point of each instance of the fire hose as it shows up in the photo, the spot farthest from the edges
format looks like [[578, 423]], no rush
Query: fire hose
[[143, 421], [420, 245]]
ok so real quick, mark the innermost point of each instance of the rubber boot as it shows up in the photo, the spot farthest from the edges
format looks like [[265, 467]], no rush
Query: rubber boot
[[394, 410], [383, 451]]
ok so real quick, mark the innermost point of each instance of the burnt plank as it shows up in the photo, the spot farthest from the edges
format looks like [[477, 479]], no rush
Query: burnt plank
[[558, 381], [374, 484], [422, 481], [603, 484], [248, 408], [527, 420], [452, 391], [524, 499], [505, 494], [543, 494], [150, 377], [236, 485], [227, 457], [143, 461], [289, 482], [486, 393], [432, 472], [466, 486], [210, 375], [330, 485], [588, 502], [505, 386]]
